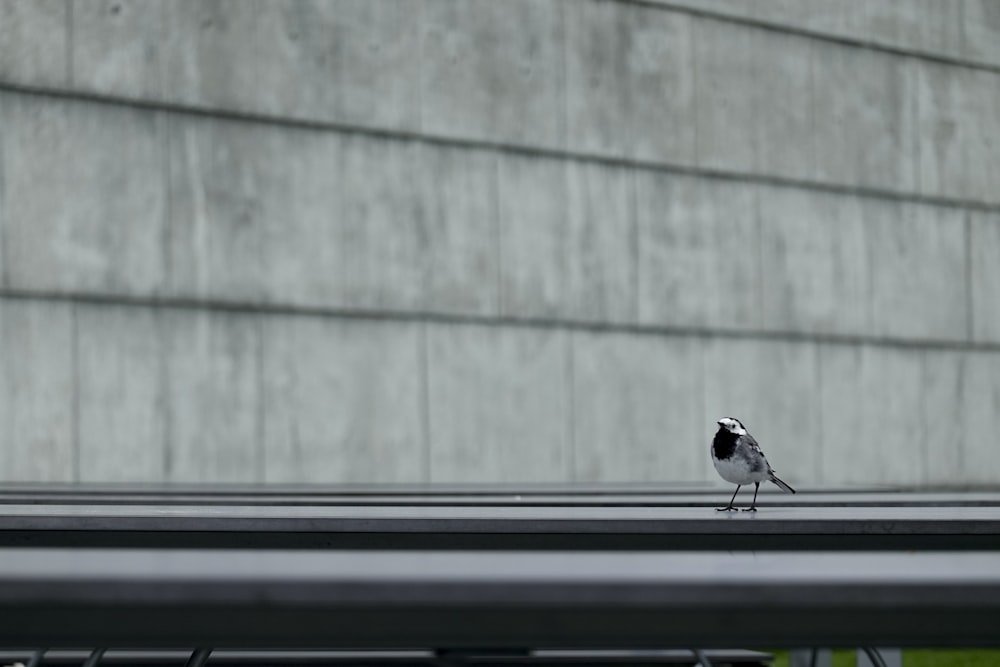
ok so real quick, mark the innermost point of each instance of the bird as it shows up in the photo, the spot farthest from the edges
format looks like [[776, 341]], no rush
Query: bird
[[738, 459]]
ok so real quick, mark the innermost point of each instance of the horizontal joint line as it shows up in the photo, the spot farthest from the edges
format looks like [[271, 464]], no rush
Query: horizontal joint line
[[502, 147], [846, 40], [542, 323]]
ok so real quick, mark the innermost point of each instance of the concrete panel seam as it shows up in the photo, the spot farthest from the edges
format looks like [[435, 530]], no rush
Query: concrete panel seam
[[821, 443], [164, 392], [4, 223], [633, 214], [970, 330], [869, 279], [571, 404], [166, 256], [563, 128], [69, 43], [498, 274], [75, 408], [425, 403], [505, 148], [510, 322], [759, 247], [260, 450], [421, 18], [844, 40]]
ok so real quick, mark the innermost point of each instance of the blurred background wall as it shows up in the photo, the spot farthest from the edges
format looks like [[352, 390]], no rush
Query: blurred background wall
[[528, 240]]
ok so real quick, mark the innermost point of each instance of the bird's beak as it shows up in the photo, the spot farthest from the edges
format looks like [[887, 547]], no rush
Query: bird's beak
[[719, 422]]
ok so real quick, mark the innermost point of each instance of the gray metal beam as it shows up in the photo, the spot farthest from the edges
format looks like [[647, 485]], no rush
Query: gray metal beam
[[564, 498], [394, 600], [501, 527]]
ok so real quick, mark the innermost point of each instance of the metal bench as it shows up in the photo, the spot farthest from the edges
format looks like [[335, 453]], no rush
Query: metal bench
[[489, 495], [526, 525], [300, 658], [133, 598]]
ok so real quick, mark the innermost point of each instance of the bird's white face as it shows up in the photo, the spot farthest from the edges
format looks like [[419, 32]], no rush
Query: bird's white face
[[732, 425]]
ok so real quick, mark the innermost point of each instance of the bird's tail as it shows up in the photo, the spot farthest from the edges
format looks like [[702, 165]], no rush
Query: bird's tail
[[785, 487]]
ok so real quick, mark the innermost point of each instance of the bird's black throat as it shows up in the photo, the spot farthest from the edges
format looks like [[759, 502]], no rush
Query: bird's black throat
[[724, 444]]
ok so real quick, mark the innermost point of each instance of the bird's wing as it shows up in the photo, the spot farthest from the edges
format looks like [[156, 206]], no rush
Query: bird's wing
[[752, 444], [755, 449]]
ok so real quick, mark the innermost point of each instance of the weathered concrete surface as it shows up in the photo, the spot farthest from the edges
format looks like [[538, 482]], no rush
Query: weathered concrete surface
[[97, 224], [499, 402], [907, 415], [942, 407], [699, 263], [637, 408], [773, 388], [220, 172], [533, 228], [121, 394], [343, 401], [984, 149], [492, 70], [305, 217], [33, 41], [755, 100], [944, 103], [208, 52], [630, 82], [263, 214], [918, 271], [815, 251], [118, 48], [783, 102], [924, 25], [600, 243], [981, 28], [294, 218], [726, 118], [597, 108], [159, 203], [188, 51], [353, 61], [460, 263], [864, 118], [661, 90], [984, 271], [213, 390], [963, 29], [189, 395], [377, 234], [613, 78], [37, 429], [870, 406], [981, 405]]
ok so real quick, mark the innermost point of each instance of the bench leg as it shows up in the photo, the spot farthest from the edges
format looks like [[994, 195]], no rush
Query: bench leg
[[810, 657], [199, 657], [891, 657]]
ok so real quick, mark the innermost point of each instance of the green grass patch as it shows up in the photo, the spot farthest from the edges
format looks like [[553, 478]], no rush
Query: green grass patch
[[841, 658], [951, 658], [913, 658]]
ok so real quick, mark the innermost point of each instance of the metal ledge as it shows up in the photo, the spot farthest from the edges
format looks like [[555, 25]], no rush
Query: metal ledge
[[401, 600], [584, 527]]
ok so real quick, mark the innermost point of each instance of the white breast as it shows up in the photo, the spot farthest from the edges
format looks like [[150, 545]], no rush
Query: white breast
[[736, 470]]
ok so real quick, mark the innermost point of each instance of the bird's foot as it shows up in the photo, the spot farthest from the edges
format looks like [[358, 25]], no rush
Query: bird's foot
[[749, 509], [725, 509]]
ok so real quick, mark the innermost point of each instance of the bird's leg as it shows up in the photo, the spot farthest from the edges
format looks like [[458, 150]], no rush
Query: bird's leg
[[753, 505], [729, 507]]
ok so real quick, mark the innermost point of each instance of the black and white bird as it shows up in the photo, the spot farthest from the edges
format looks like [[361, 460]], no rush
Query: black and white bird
[[738, 459]]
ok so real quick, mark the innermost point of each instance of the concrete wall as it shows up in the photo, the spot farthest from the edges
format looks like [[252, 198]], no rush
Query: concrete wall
[[537, 240]]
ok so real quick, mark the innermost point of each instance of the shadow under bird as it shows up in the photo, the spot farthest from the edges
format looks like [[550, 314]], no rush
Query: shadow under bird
[[738, 459]]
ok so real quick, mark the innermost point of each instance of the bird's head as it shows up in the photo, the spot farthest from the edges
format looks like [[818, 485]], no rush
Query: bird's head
[[733, 425]]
